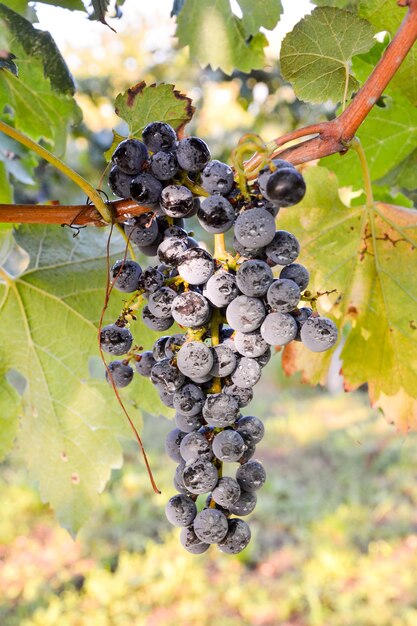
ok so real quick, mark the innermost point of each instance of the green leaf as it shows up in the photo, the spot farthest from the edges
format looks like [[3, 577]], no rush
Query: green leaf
[[100, 8], [48, 332], [40, 97], [10, 405], [388, 135], [6, 195], [404, 175], [349, 5], [140, 105], [263, 13], [218, 38], [39, 44], [19, 6], [385, 15], [361, 253], [73, 5], [315, 56]]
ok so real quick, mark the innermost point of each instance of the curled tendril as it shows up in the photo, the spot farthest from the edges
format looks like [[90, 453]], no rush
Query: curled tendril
[[248, 144]]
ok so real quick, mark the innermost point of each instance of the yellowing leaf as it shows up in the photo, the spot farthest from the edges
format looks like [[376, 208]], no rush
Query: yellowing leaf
[[368, 256], [399, 409], [315, 55]]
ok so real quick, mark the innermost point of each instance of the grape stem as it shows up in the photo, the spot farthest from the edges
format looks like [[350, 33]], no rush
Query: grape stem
[[319, 140], [334, 136]]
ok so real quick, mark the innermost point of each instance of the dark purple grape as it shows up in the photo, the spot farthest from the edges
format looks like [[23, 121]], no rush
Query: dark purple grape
[[158, 351], [126, 275], [191, 310], [319, 333], [251, 476], [115, 339], [121, 373], [216, 215], [159, 136], [296, 272], [283, 295], [151, 280], [156, 323], [191, 542], [200, 476], [211, 526], [170, 250], [286, 187], [167, 376], [164, 165], [227, 492], [195, 266], [251, 428], [180, 510], [146, 190], [237, 538], [119, 182], [176, 200], [255, 228], [172, 444], [217, 177], [193, 154], [283, 249], [130, 156], [142, 230], [160, 302], [145, 363]]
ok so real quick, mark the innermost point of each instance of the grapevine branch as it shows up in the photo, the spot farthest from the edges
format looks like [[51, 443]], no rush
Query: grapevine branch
[[319, 140]]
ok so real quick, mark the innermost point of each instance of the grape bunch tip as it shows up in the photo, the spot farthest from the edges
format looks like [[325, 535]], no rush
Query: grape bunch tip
[[232, 310]]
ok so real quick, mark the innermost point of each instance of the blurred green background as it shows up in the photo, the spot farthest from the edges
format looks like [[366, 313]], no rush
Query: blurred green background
[[335, 529]]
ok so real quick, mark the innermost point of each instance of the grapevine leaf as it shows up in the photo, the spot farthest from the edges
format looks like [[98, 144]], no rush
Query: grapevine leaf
[[385, 16], [73, 5], [263, 13], [10, 405], [399, 409], [40, 108], [404, 175], [25, 38], [316, 54], [142, 104], [20, 6], [388, 136], [361, 253], [349, 5], [218, 38], [48, 332], [100, 8]]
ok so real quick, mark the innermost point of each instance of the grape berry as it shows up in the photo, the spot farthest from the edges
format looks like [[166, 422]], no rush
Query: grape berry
[[232, 310]]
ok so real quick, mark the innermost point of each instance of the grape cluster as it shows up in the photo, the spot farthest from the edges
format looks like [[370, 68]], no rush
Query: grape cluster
[[232, 310]]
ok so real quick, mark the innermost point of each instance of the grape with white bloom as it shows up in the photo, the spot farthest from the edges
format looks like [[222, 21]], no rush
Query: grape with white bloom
[[318, 334]]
